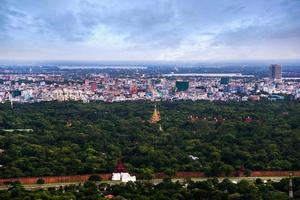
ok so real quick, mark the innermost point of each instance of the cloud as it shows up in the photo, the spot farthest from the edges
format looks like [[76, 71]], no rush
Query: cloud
[[151, 29]]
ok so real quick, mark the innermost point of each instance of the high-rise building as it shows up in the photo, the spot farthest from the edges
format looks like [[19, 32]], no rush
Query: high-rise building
[[182, 86], [275, 72]]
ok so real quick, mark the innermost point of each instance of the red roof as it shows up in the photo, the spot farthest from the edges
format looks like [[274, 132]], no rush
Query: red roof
[[120, 168], [248, 119], [109, 196]]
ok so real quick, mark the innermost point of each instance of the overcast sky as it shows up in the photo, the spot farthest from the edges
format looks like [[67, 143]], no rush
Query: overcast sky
[[149, 29]]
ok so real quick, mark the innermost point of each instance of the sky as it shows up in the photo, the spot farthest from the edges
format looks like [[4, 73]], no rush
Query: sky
[[145, 30]]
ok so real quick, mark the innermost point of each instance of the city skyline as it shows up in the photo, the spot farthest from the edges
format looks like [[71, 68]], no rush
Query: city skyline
[[160, 30]]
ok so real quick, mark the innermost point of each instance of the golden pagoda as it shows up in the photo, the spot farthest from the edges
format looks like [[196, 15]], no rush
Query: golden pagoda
[[155, 116]]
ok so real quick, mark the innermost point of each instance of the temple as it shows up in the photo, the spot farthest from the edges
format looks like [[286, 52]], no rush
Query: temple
[[120, 174], [155, 116], [120, 168]]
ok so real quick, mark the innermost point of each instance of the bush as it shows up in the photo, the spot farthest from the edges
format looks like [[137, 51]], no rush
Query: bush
[[15, 183], [170, 172], [247, 172], [147, 174], [259, 181], [95, 178], [40, 181]]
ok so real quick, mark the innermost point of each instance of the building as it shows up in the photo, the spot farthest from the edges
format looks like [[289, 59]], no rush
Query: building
[[224, 80], [181, 86], [65, 94], [133, 89], [275, 97], [120, 174], [86, 82], [94, 87], [275, 72], [254, 98]]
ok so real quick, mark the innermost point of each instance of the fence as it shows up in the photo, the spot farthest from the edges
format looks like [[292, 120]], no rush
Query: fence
[[159, 175]]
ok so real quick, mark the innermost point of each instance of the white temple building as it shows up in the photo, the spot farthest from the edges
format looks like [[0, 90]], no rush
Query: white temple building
[[123, 177], [121, 174]]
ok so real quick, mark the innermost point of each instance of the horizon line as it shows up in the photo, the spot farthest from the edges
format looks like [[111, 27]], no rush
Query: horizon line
[[77, 61]]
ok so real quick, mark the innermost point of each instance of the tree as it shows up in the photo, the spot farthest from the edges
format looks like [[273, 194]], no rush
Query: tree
[[40, 181], [102, 133], [275, 195], [95, 178], [147, 173], [243, 186], [170, 172], [235, 196]]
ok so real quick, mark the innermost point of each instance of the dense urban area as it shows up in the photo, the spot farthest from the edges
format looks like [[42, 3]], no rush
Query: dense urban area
[[112, 84]]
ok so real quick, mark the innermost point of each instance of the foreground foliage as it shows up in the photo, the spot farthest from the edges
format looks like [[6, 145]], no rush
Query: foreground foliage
[[211, 189], [98, 134]]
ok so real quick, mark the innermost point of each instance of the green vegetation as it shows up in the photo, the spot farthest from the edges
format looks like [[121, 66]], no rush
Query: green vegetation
[[166, 190], [40, 181], [100, 134], [95, 178]]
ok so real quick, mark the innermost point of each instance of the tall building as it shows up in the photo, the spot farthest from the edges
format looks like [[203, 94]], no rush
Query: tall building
[[182, 86], [275, 72]]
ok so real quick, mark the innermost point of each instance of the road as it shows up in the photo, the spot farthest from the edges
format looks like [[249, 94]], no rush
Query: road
[[154, 181]]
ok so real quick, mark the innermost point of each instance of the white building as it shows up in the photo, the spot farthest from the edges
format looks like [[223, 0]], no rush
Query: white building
[[121, 174], [123, 177]]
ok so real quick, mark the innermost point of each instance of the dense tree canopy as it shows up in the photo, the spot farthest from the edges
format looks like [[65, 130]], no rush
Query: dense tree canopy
[[76, 138]]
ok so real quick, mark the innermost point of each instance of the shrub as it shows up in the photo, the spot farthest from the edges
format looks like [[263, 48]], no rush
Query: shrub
[[40, 181], [95, 178]]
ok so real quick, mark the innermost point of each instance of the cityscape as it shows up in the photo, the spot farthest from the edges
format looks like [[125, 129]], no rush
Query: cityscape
[[38, 87], [149, 100]]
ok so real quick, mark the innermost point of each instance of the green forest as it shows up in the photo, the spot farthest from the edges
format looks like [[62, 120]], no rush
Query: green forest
[[211, 189], [69, 138]]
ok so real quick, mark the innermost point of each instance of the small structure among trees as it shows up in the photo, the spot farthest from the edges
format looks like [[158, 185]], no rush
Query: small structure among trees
[[120, 174]]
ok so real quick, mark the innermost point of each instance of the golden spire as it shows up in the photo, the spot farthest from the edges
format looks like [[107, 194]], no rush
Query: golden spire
[[155, 116]]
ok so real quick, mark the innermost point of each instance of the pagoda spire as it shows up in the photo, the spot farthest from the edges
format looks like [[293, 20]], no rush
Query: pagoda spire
[[155, 116]]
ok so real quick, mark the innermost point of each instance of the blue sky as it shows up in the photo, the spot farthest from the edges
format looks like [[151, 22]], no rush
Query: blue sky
[[149, 29]]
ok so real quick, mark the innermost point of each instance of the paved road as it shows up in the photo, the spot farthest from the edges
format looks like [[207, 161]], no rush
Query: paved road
[[154, 181]]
